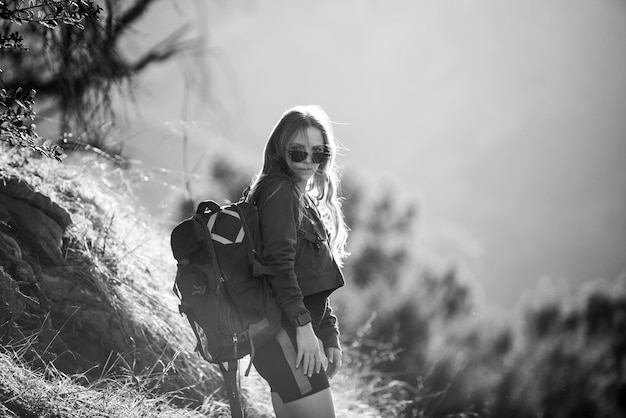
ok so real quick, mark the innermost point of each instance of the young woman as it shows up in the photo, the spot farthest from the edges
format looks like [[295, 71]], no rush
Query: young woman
[[304, 240]]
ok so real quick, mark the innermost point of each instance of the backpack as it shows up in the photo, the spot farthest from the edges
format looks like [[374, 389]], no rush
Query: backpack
[[223, 288]]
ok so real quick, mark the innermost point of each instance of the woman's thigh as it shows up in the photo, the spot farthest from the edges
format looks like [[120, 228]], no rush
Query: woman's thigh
[[275, 361], [317, 405]]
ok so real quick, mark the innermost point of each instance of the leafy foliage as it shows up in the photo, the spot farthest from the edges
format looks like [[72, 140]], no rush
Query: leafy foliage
[[565, 358], [67, 52], [578, 356], [17, 111], [12, 40], [48, 13], [381, 245], [16, 103]]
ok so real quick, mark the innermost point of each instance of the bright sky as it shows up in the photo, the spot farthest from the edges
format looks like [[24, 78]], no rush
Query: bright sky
[[505, 119]]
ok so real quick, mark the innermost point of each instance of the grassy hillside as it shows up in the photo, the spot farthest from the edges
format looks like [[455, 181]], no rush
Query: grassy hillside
[[103, 336]]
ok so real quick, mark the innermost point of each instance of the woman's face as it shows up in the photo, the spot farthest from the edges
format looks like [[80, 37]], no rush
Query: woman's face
[[310, 141]]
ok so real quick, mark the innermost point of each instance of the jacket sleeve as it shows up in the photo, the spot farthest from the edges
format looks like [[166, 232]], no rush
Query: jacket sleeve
[[329, 330], [278, 213]]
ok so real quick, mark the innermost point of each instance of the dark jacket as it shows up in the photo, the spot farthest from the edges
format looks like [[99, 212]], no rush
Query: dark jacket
[[296, 249]]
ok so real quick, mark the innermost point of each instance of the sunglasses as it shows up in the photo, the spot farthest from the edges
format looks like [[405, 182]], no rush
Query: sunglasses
[[297, 156]]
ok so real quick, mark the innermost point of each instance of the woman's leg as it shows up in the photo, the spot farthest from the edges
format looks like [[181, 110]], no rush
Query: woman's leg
[[317, 405], [293, 393]]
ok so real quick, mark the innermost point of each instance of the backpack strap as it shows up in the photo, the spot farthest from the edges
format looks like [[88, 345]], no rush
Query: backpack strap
[[313, 238], [192, 322], [183, 310], [216, 265], [258, 267], [229, 373]]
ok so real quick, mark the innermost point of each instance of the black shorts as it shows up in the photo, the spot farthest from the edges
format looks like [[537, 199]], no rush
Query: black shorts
[[276, 363]]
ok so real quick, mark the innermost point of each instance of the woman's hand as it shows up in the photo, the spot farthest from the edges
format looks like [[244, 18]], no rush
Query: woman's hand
[[335, 360], [308, 350]]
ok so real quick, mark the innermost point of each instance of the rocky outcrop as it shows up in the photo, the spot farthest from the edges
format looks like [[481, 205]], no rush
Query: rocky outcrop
[[67, 299], [32, 228], [31, 232], [39, 222]]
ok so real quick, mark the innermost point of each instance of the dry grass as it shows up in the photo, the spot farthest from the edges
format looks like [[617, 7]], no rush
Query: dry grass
[[50, 393], [124, 254]]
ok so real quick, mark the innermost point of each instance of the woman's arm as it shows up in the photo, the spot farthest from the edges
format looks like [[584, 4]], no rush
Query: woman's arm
[[329, 330], [278, 212]]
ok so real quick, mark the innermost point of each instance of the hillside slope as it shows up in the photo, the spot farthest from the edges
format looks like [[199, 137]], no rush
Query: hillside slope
[[85, 290]]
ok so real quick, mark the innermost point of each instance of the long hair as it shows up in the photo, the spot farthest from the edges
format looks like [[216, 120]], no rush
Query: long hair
[[323, 188]]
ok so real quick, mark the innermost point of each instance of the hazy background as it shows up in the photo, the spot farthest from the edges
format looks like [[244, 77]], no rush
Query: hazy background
[[505, 120]]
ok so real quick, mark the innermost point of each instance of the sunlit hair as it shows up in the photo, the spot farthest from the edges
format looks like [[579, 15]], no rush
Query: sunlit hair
[[324, 186]]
